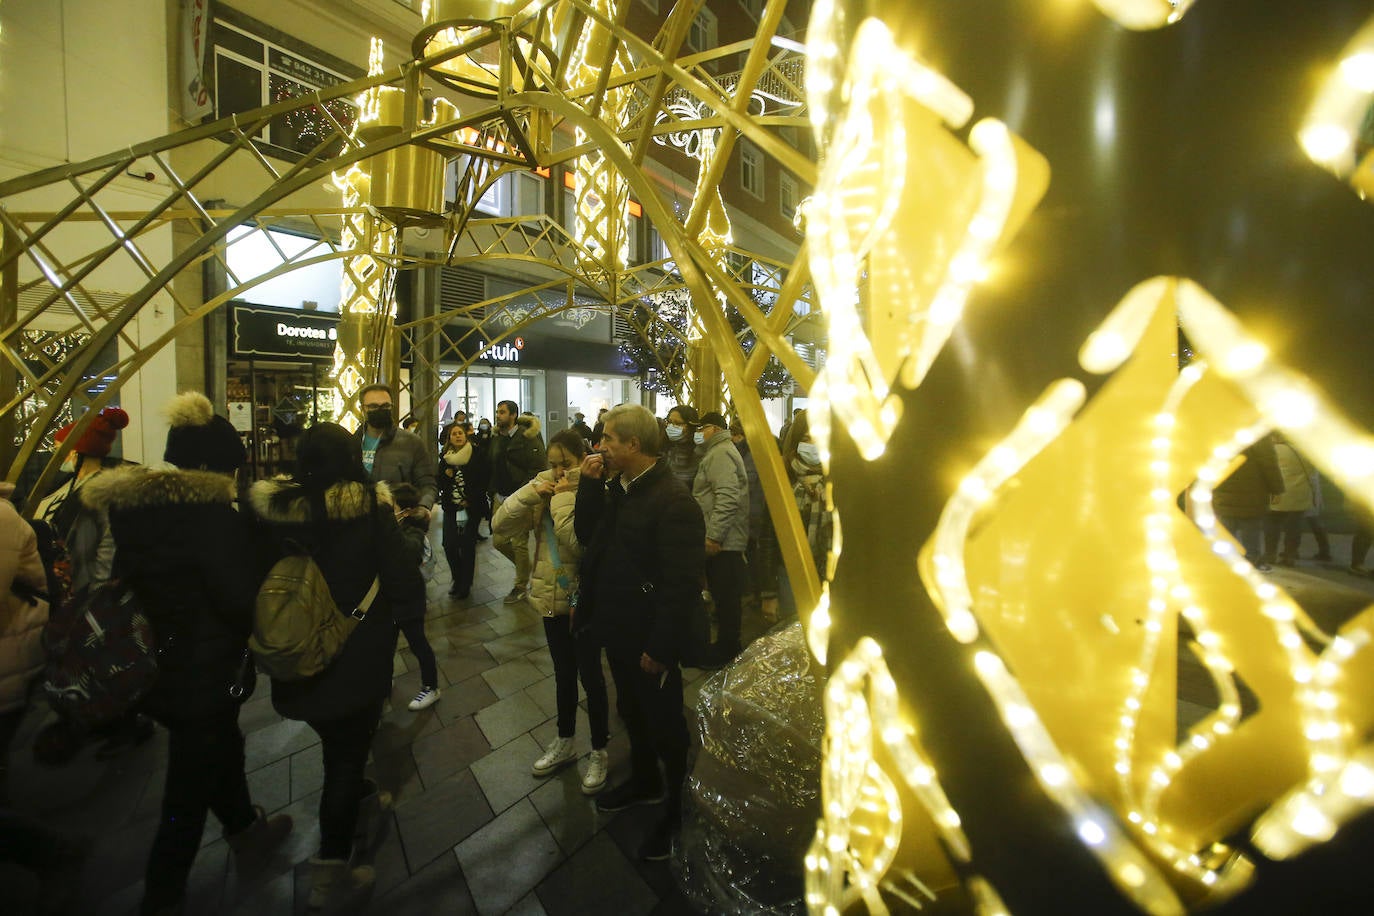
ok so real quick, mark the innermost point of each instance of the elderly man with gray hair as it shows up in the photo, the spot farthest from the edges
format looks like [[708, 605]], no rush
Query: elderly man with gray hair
[[644, 539]]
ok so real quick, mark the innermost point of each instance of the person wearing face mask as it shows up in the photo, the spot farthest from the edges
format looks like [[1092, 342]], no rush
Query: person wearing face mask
[[721, 488], [802, 458], [394, 455], [681, 450]]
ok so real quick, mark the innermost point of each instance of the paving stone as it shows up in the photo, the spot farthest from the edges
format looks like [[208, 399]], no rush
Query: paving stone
[[276, 897], [397, 773], [504, 774], [272, 743], [527, 905], [437, 888], [545, 694], [401, 728], [509, 718], [307, 772], [431, 823], [449, 750], [541, 659], [507, 858], [511, 677], [597, 879], [270, 786], [517, 643], [388, 859], [461, 662], [463, 699], [571, 817], [515, 618]]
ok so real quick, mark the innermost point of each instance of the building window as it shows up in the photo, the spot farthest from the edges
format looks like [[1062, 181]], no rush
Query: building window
[[651, 4], [754, 8], [513, 194], [787, 195], [751, 169], [251, 72], [702, 34]]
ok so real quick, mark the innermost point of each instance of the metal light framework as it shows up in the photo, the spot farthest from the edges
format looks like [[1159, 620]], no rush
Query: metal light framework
[[518, 74]]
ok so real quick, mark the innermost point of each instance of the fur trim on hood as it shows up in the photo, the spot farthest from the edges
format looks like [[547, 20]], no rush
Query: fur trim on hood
[[285, 502], [141, 486], [529, 424]]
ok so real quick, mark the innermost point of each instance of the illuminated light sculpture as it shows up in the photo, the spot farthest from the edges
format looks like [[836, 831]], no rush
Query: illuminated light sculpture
[[1001, 722], [1336, 130], [400, 187]]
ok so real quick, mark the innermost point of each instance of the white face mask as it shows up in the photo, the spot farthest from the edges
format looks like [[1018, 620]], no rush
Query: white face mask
[[699, 437], [809, 452], [69, 463], [674, 431]]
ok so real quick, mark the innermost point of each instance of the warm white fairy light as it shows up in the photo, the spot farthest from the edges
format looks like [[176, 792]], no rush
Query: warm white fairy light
[[1144, 14], [1333, 120], [946, 579], [861, 825]]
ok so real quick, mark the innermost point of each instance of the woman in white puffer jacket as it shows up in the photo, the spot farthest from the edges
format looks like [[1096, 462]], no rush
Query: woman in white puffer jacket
[[543, 505]]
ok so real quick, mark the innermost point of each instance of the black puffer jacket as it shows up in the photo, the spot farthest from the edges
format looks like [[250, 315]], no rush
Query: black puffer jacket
[[645, 555], [357, 541], [189, 558]]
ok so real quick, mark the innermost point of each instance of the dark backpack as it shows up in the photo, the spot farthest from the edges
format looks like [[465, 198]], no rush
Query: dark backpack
[[102, 655]]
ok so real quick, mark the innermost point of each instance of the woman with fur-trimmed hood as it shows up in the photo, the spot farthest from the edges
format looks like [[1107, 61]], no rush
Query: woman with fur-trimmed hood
[[189, 558], [349, 526]]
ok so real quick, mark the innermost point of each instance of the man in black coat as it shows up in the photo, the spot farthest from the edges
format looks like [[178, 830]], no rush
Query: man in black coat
[[641, 583], [517, 454]]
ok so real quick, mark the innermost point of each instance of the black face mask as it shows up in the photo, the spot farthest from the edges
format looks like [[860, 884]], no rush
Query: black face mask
[[379, 418]]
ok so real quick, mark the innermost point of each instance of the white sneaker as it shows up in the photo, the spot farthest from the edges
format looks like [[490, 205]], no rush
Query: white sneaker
[[514, 596], [595, 777], [426, 698], [559, 753]]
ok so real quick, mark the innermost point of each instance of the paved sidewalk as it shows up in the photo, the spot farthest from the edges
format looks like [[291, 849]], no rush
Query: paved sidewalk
[[472, 831]]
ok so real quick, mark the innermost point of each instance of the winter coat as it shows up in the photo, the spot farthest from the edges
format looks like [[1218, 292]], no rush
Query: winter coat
[[682, 457], [84, 530], [402, 458], [1297, 481], [1245, 494], [22, 614], [523, 512], [515, 459], [464, 487], [759, 521], [357, 541], [643, 563], [721, 487], [190, 560], [809, 492]]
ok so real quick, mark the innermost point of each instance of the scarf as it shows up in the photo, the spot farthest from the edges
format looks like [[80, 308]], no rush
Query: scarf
[[459, 458]]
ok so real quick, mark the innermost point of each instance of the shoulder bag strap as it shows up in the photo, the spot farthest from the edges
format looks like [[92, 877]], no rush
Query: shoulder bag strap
[[562, 574], [365, 604]]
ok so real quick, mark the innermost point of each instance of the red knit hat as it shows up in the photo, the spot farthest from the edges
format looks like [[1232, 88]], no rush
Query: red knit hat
[[99, 436]]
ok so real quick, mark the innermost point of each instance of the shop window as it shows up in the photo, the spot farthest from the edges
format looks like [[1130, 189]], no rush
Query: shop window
[[251, 72], [787, 196], [702, 35], [751, 169]]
